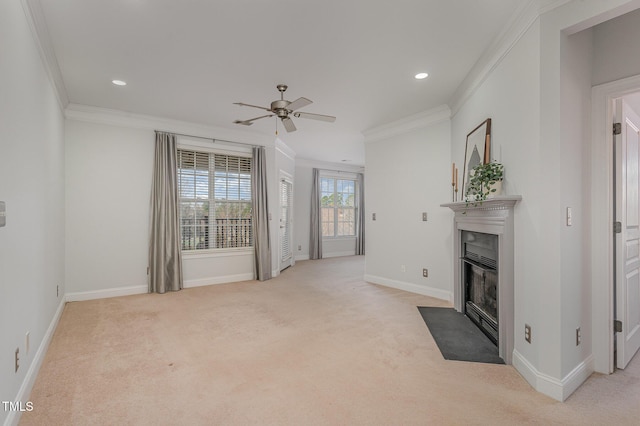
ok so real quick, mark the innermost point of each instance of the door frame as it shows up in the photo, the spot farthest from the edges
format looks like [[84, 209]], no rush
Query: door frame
[[602, 217]]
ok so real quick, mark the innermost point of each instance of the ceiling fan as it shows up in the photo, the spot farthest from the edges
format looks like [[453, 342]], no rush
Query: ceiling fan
[[283, 108]]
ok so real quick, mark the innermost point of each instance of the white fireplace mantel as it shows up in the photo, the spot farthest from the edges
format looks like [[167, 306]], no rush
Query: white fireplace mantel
[[492, 216]]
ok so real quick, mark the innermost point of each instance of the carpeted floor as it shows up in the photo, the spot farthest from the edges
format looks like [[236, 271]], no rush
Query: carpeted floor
[[315, 346]]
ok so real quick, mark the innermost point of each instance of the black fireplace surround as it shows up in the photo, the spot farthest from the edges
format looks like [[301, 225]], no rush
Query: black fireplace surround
[[480, 280]]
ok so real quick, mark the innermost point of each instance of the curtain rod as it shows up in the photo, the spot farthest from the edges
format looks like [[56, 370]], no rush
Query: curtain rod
[[209, 139]]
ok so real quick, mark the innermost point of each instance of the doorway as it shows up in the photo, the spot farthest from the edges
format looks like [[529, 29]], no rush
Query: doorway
[[607, 249], [626, 245], [286, 210]]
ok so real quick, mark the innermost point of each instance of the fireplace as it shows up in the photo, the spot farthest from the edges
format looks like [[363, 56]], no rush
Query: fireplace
[[483, 287], [480, 280]]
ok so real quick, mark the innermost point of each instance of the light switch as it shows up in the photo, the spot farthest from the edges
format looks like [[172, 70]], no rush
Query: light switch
[[3, 214], [569, 219], [424, 216]]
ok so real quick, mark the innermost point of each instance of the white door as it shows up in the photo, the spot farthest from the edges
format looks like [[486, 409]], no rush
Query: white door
[[286, 198], [627, 245]]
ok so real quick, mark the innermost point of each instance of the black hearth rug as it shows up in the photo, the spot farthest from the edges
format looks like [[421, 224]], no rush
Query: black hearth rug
[[457, 337]]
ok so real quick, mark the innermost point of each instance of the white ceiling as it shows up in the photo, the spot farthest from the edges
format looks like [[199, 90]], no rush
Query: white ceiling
[[190, 60]]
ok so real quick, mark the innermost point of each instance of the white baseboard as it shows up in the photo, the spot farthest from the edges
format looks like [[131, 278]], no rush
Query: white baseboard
[[410, 287], [27, 384], [338, 254], [103, 294], [142, 289], [301, 257], [218, 280], [557, 389]]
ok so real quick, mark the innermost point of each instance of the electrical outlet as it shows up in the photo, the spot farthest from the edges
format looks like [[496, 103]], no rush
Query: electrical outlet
[[527, 333], [299, 248], [373, 216], [403, 268], [425, 273], [17, 359], [26, 343], [578, 336]]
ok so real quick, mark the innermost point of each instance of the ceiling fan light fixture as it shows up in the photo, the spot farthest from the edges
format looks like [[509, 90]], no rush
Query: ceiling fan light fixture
[[421, 76], [283, 108], [119, 82]]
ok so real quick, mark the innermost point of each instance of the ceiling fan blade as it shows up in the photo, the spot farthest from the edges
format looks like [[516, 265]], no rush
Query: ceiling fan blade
[[250, 121], [288, 124], [249, 105], [320, 117], [298, 103]]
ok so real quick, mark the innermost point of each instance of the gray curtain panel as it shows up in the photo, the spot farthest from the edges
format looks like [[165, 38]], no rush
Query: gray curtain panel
[[315, 234], [165, 260], [260, 215], [360, 216]]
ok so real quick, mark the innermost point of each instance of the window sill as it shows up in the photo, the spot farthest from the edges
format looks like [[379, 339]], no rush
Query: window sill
[[345, 238], [205, 254]]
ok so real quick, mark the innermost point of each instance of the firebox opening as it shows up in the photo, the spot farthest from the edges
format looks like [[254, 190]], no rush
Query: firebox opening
[[480, 280]]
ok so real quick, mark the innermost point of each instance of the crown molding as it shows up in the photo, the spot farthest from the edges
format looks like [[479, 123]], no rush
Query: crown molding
[[35, 19], [548, 5], [285, 149], [118, 118], [407, 124], [519, 24], [326, 165]]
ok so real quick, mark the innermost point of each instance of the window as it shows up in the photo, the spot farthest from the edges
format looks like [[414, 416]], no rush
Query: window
[[215, 200], [337, 205]]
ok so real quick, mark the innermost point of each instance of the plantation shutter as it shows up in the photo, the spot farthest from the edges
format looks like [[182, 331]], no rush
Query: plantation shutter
[[215, 200]]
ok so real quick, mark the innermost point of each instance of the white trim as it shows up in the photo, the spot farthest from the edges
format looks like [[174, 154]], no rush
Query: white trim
[[306, 162], [40, 32], [338, 254], [338, 174], [285, 150], [218, 147], [550, 386], [213, 253], [410, 287], [520, 23], [408, 124], [339, 238], [13, 418], [302, 257], [201, 282], [602, 218], [117, 118], [549, 5], [106, 293]]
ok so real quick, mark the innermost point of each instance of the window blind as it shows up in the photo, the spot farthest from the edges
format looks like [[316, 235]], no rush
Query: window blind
[[215, 200]]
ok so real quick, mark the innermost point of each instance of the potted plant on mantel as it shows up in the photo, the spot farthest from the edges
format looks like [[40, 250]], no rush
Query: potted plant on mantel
[[485, 181]]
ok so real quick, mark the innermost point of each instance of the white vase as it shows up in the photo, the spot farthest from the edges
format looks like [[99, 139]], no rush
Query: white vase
[[498, 189]]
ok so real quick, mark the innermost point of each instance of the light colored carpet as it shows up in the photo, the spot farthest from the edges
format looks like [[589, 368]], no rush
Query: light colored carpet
[[315, 346]]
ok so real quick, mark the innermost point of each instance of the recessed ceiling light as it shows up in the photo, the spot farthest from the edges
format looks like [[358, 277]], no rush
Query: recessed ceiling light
[[421, 75], [119, 82]]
